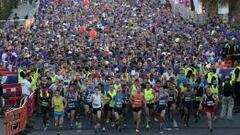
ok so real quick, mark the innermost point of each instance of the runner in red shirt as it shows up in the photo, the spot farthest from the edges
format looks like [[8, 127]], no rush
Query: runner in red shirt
[[137, 101]]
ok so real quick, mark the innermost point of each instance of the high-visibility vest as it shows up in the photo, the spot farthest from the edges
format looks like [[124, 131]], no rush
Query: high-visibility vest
[[36, 74], [53, 78], [233, 78], [20, 78], [214, 90], [186, 70], [210, 75]]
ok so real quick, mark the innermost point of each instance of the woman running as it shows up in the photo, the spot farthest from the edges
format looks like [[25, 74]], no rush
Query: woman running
[[198, 94], [149, 97], [172, 107], [161, 101], [96, 100], [209, 102], [59, 103], [187, 103], [118, 109], [137, 101], [72, 98], [45, 103]]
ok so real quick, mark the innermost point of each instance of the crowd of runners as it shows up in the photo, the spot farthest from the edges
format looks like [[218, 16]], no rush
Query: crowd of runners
[[107, 58]]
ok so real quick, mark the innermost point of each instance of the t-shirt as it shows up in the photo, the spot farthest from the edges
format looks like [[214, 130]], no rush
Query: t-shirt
[[97, 100], [26, 85]]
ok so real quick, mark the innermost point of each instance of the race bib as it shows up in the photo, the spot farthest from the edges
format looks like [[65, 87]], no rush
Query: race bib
[[71, 105], [198, 98], [119, 105], [170, 98], [187, 99], [162, 102], [210, 103]]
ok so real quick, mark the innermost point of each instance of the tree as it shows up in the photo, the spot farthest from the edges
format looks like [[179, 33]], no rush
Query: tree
[[6, 7], [211, 6]]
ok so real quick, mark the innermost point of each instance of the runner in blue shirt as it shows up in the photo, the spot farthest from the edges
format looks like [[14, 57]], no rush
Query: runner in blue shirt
[[118, 108]]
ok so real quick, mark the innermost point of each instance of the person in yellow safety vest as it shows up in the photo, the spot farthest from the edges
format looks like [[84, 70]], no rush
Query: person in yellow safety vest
[[214, 88], [36, 74], [20, 75], [53, 78], [235, 81], [189, 71], [33, 82], [210, 75], [235, 75]]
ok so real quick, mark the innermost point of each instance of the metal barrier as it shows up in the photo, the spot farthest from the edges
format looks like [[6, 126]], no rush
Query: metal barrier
[[13, 93], [31, 104], [16, 119]]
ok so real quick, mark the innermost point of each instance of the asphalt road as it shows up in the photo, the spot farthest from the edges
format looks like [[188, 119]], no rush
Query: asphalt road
[[221, 127]]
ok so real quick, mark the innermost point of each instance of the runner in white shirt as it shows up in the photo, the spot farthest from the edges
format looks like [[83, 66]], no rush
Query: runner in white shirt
[[97, 108]]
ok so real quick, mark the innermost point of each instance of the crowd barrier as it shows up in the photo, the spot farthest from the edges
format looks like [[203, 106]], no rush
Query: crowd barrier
[[31, 104], [16, 119], [13, 93]]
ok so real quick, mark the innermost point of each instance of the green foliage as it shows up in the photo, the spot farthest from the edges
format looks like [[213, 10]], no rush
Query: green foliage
[[6, 7], [236, 26]]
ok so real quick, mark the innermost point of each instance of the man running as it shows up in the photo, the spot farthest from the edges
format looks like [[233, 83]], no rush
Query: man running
[[187, 103], [96, 100], [72, 98], [161, 101], [118, 108]]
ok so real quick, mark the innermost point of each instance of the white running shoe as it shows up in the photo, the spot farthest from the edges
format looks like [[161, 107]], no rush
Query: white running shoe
[[147, 126], [175, 125], [45, 128]]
